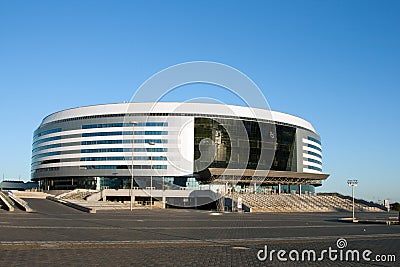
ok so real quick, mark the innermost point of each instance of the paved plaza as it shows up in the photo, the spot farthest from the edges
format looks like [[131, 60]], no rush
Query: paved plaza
[[56, 234]]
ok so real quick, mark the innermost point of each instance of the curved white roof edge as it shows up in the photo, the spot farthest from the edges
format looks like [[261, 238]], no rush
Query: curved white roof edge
[[179, 107]]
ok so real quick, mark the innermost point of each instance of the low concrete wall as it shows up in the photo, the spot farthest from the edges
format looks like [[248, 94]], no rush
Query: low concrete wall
[[56, 192], [30, 194], [72, 205], [95, 196], [20, 202], [6, 202], [156, 193]]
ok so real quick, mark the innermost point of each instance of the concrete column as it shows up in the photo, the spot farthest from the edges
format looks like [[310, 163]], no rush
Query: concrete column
[[164, 199], [279, 189], [299, 189], [255, 188]]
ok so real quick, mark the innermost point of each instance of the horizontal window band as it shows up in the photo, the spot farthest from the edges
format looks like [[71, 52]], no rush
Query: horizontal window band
[[122, 158], [46, 154], [111, 141], [314, 140], [116, 133], [93, 167], [125, 133], [315, 147], [137, 167], [109, 125], [103, 158], [137, 141], [313, 168], [314, 154], [46, 147], [37, 134], [103, 150], [136, 149], [46, 140], [314, 161]]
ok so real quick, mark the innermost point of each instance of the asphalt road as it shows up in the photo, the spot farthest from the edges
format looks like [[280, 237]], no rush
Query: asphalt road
[[57, 234]]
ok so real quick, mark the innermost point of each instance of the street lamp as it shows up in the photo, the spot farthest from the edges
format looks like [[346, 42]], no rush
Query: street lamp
[[163, 188], [352, 183], [131, 184], [151, 173]]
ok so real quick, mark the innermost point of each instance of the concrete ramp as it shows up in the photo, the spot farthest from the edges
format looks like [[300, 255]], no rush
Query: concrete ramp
[[20, 203], [6, 202], [72, 204]]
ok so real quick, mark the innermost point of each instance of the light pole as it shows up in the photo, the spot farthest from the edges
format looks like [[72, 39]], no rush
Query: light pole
[[151, 173], [352, 183], [162, 197], [131, 184]]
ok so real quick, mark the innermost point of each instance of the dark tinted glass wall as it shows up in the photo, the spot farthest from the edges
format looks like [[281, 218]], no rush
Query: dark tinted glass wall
[[243, 144], [285, 154]]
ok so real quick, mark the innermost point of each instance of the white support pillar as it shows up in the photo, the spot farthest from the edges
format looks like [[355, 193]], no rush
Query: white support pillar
[[279, 189], [299, 189]]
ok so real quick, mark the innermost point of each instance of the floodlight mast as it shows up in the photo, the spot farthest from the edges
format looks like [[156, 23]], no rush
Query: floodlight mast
[[151, 173], [131, 183], [353, 183], [163, 182]]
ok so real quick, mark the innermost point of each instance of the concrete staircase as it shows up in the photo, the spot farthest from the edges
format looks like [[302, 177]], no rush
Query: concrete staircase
[[77, 194], [303, 203]]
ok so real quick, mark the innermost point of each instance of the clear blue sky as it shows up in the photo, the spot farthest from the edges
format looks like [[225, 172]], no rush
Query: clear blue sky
[[334, 63]]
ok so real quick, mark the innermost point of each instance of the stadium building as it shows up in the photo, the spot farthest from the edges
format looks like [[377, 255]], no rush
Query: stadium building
[[176, 145]]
